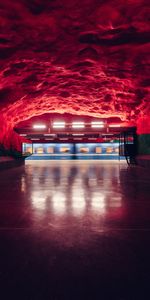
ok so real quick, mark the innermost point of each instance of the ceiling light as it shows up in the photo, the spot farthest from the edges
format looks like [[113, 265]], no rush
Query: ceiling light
[[78, 125], [97, 125], [39, 126], [97, 122], [59, 125], [114, 125]]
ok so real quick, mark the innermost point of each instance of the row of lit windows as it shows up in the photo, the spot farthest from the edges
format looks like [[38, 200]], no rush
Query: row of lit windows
[[83, 150]]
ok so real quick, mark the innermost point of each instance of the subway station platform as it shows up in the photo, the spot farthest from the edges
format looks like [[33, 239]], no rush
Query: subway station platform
[[75, 230], [42, 157]]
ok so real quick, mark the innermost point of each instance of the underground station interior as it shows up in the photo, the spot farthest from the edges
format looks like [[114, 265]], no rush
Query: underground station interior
[[74, 150]]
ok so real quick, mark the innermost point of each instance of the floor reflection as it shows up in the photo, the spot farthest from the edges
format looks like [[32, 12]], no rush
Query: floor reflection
[[74, 230], [89, 194], [72, 189]]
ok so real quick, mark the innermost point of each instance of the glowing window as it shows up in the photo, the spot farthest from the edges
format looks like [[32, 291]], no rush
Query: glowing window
[[98, 150], [50, 150], [26, 149], [64, 149], [29, 150], [84, 150], [117, 150], [40, 150], [109, 150]]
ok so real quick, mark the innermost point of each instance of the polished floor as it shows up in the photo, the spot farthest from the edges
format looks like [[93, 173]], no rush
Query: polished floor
[[75, 230]]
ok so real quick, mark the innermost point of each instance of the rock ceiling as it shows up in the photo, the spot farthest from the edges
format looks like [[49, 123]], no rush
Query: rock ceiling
[[88, 57]]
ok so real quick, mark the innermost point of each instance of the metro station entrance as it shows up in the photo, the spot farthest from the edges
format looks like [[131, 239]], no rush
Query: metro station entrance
[[73, 137]]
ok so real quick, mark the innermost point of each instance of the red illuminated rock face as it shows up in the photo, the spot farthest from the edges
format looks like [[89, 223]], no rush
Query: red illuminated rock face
[[86, 57]]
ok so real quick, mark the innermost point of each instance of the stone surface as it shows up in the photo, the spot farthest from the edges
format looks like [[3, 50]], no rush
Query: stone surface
[[84, 57]]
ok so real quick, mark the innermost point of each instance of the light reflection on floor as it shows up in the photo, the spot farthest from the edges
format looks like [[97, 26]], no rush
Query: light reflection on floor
[[73, 189], [75, 229]]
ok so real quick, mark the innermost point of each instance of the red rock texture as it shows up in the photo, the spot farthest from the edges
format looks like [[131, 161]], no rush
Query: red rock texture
[[88, 57]]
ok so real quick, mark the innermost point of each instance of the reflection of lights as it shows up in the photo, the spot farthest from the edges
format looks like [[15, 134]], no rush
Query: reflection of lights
[[39, 126], [38, 200], [98, 202], [58, 201], [116, 202], [78, 202], [92, 182], [23, 184]]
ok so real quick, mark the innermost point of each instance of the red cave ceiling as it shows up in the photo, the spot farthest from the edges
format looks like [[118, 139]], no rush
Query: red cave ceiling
[[88, 57]]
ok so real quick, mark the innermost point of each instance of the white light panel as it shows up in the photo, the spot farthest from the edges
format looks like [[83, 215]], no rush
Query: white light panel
[[97, 125], [59, 125], [78, 125], [39, 126], [114, 125]]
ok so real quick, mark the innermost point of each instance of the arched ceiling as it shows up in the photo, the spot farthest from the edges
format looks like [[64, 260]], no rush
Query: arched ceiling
[[88, 57]]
